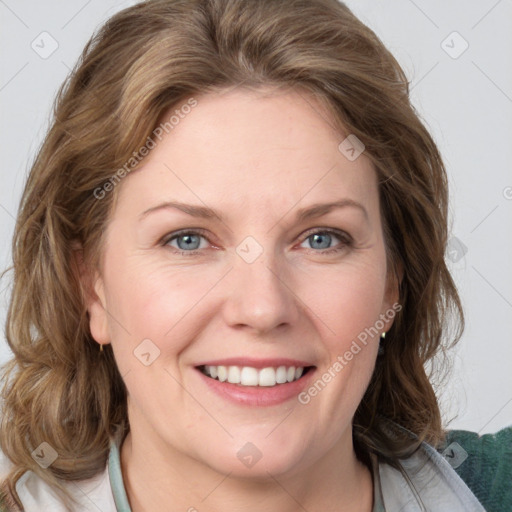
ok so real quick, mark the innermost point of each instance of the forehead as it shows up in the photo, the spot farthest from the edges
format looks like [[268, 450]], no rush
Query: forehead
[[251, 151]]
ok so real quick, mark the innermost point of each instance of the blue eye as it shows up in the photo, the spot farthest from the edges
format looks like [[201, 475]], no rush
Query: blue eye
[[323, 237], [189, 242]]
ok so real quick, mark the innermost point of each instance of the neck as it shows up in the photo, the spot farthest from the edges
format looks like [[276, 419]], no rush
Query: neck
[[168, 480]]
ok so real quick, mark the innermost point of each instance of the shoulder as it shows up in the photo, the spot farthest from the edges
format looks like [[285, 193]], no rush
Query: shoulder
[[484, 463], [425, 481], [36, 495]]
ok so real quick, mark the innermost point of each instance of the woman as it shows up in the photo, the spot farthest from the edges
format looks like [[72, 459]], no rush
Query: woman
[[184, 344]]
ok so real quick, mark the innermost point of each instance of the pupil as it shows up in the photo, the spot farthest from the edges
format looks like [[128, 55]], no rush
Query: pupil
[[320, 237], [188, 240]]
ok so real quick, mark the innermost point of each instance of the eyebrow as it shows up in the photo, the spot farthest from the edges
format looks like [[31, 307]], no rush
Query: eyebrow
[[204, 212]]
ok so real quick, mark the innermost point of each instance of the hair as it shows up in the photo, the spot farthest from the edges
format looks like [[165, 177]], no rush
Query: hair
[[143, 61]]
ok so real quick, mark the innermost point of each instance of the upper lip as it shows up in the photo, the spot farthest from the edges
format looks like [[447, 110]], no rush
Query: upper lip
[[257, 363]]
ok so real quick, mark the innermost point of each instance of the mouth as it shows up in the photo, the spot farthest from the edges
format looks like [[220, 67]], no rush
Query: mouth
[[256, 382], [249, 376]]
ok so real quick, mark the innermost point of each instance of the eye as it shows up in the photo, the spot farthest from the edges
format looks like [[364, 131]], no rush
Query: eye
[[187, 241], [322, 238]]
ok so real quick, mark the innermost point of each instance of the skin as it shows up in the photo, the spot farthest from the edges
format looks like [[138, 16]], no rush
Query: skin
[[256, 158]]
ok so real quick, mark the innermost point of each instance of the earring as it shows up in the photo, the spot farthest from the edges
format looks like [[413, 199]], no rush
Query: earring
[[101, 348], [381, 347]]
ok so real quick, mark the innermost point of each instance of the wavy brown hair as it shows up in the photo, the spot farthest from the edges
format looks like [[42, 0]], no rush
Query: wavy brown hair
[[143, 61]]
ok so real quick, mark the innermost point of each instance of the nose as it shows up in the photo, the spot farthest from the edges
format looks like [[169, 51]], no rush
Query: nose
[[261, 296]]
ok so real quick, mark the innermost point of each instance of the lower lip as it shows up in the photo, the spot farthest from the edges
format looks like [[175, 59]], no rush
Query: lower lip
[[257, 395]]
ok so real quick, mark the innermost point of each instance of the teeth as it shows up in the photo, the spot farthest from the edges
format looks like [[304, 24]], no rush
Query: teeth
[[234, 375], [281, 375], [267, 377], [248, 376], [222, 373]]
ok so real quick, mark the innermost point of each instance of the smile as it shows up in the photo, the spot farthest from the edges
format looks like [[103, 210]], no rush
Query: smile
[[249, 376]]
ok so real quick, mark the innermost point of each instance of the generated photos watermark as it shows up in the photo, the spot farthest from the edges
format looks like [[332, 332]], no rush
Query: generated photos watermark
[[151, 143], [343, 360]]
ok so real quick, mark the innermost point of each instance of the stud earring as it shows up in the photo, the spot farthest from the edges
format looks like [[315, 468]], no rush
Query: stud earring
[[381, 346]]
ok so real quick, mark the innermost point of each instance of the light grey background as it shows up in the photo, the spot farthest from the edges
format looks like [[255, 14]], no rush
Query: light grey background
[[464, 97]]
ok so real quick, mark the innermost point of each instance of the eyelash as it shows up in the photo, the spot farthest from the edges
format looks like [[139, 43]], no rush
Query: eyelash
[[345, 239]]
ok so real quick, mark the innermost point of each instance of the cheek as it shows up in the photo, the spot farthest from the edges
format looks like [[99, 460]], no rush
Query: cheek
[[153, 300], [347, 300], [350, 348], [347, 310]]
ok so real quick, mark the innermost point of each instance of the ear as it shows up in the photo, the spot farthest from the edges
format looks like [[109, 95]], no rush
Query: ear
[[93, 294]]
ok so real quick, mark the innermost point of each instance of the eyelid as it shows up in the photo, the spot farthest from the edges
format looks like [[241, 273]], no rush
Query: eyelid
[[182, 232], [342, 235]]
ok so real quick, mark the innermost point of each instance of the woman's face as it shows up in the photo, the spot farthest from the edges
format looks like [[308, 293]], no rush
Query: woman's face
[[266, 284]]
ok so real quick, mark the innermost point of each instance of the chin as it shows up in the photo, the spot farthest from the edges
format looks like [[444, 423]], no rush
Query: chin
[[255, 460]]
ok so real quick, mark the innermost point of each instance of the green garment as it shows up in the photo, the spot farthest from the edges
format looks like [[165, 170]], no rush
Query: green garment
[[487, 468]]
